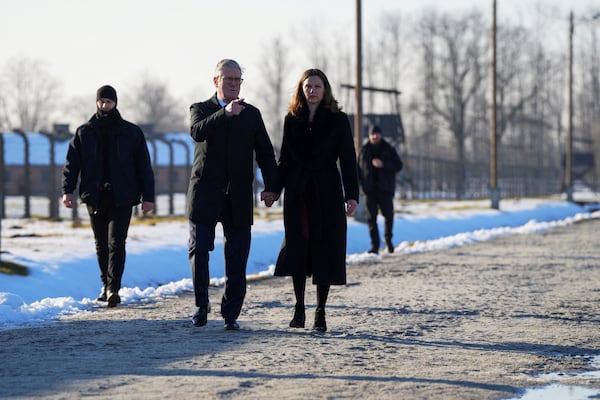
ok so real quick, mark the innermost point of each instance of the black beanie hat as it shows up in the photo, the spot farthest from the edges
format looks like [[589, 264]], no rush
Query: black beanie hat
[[107, 92], [376, 129]]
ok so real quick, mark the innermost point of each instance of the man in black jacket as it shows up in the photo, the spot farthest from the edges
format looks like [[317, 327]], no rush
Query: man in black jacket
[[378, 163], [110, 157], [228, 133]]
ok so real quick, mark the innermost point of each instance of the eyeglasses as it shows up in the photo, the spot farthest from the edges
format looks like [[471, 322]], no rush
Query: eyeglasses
[[228, 79]]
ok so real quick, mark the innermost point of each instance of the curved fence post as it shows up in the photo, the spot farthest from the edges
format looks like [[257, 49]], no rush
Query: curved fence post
[[52, 185], [188, 164], [27, 180], [148, 130], [1, 187], [170, 177], [3, 180], [60, 133]]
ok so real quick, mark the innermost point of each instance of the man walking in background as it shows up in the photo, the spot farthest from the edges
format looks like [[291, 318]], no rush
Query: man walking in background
[[110, 158], [378, 163]]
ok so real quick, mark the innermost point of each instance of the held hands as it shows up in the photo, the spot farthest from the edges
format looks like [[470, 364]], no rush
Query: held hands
[[351, 207], [234, 107], [269, 198]]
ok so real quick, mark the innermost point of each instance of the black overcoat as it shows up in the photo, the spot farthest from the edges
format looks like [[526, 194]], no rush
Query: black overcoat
[[386, 175], [132, 177], [224, 162], [312, 157]]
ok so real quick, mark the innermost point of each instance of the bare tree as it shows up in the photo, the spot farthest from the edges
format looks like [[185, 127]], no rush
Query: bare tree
[[151, 103], [459, 44], [79, 110], [274, 69], [25, 90], [392, 54], [316, 48], [342, 71], [588, 75], [430, 126], [515, 75]]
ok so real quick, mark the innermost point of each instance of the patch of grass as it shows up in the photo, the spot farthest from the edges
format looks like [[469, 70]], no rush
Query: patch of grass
[[152, 219], [10, 268]]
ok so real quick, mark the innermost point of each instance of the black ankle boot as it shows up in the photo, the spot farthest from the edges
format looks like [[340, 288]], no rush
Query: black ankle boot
[[102, 295], [320, 324], [299, 318]]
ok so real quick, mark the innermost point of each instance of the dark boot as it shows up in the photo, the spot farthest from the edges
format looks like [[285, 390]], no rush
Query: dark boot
[[299, 313], [390, 246], [299, 317], [320, 324], [102, 295], [113, 298]]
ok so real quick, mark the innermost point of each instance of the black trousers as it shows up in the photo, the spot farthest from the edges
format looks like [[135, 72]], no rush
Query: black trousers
[[110, 225], [383, 201], [236, 249]]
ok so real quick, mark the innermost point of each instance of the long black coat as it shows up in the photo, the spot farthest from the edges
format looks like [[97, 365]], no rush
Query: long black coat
[[314, 210], [131, 175], [224, 162]]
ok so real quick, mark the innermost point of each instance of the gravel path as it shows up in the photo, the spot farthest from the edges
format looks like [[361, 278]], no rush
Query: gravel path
[[474, 322]]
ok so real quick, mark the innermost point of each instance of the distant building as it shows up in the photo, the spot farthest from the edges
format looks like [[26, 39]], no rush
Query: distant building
[[390, 124]]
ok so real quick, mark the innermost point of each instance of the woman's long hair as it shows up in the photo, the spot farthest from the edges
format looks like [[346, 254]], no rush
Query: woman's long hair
[[299, 100]]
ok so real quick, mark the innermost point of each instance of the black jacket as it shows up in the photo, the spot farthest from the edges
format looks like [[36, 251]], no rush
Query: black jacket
[[314, 214], [386, 176], [131, 172], [224, 161]]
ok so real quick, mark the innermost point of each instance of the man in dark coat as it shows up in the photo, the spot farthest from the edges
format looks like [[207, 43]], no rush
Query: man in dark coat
[[228, 133], [378, 163], [110, 157]]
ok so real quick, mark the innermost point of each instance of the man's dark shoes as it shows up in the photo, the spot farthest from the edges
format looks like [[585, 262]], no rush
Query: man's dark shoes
[[113, 298], [200, 317], [390, 247], [374, 250], [299, 318], [231, 325], [320, 324], [102, 295]]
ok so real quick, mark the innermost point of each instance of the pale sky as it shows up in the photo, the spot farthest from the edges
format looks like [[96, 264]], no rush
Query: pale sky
[[90, 43]]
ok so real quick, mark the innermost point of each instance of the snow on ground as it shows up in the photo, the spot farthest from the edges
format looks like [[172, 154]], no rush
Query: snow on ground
[[64, 274]]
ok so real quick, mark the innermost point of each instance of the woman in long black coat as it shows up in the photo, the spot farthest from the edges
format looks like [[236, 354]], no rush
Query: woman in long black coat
[[317, 145]]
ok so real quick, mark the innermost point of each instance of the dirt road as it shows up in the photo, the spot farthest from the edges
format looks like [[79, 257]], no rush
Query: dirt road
[[474, 322]]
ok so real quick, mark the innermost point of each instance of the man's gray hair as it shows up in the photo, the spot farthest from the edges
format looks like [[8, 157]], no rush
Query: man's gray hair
[[226, 63]]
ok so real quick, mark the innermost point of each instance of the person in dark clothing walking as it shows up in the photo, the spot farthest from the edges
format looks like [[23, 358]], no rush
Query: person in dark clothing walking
[[378, 163], [229, 133], [110, 157], [318, 196]]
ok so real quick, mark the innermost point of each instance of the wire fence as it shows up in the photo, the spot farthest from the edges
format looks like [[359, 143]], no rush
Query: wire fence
[[423, 178]]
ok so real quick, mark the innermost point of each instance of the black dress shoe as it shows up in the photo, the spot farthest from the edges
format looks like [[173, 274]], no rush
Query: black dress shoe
[[299, 318], [374, 251], [320, 324], [390, 248], [231, 325], [102, 295], [113, 298], [200, 317]]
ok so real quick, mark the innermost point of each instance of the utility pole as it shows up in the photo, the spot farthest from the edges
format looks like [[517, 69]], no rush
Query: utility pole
[[358, 88], [494, 191], [569, 144]]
